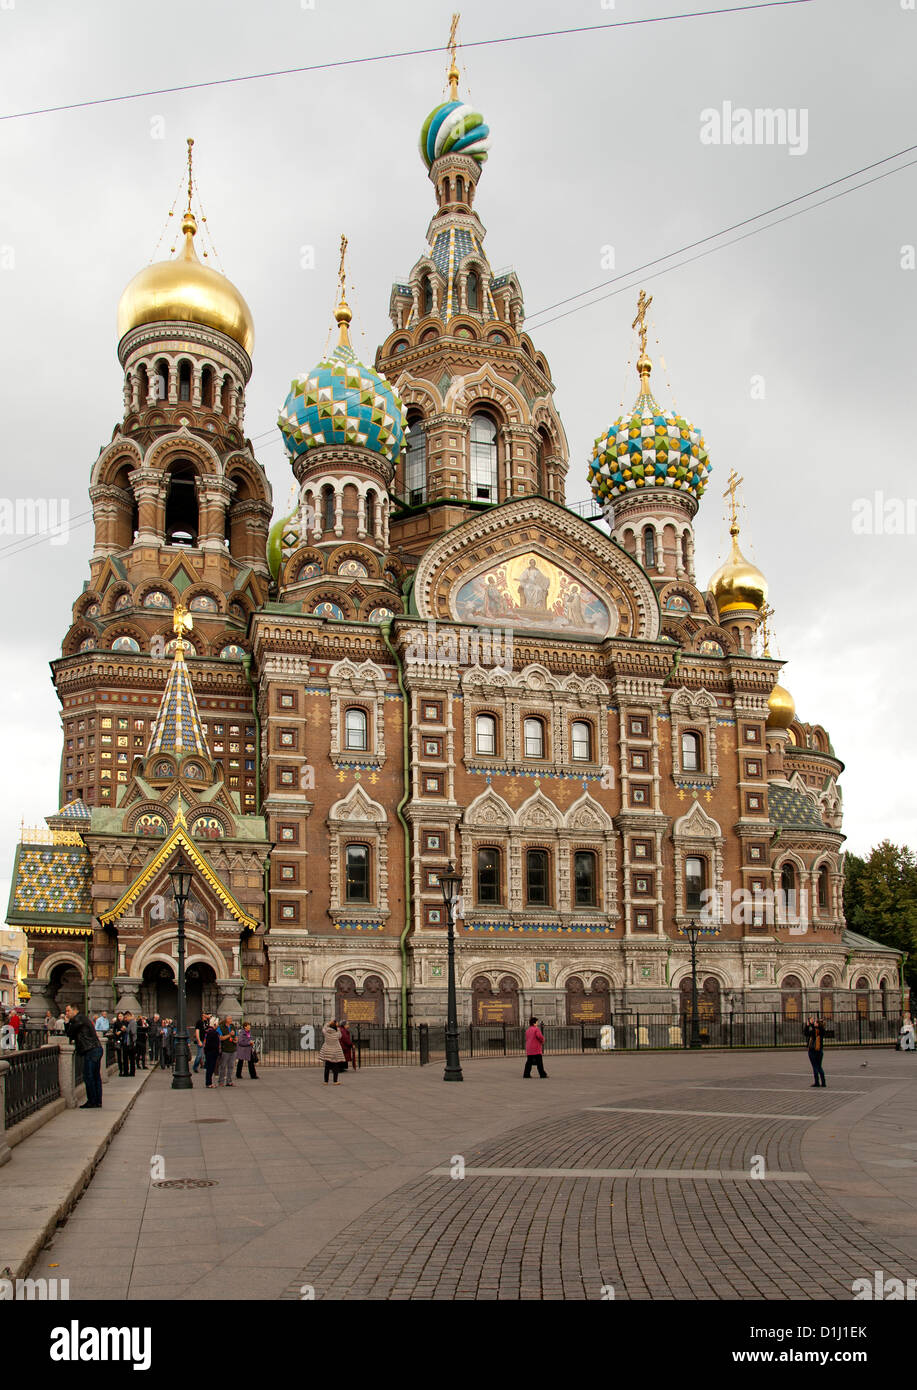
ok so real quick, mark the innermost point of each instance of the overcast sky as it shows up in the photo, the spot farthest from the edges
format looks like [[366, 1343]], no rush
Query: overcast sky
[[596, 145]]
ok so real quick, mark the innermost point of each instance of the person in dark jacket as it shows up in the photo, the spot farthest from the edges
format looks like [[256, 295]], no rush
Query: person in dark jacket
[[244, 1050], [129, 1043], [347, 1046], [167, 1040], [155, 1038], [117, 1035], [534, 1048], [211, 1050], [143, 1033], [814, 1034], [88, 1048]]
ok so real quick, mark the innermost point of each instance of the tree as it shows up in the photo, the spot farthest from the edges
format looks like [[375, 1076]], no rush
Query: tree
[[880, 899]]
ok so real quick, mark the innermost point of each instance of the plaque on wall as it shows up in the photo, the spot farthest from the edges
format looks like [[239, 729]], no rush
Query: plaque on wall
[[362, 1011], [495, 1010]]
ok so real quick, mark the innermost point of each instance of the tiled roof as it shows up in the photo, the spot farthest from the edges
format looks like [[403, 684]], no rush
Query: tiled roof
[[178, 726], [854, 942], [791, 809], [51, 887]]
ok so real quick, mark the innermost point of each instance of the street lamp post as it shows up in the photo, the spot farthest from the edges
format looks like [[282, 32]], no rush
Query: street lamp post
[[693, 931], [181, 888], [450, 882]]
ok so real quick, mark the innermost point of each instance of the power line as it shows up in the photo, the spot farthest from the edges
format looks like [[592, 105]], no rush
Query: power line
[[710, 250], [389, 57], [724, 231]]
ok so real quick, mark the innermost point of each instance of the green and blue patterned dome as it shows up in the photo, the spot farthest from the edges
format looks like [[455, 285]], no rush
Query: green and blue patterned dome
[[343, 401], [454, 128], [649, 448]]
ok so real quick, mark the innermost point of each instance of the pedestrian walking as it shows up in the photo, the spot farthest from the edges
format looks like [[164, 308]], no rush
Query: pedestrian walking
[[211, 1050], [200, 1028], [155, 1038], [906, 1036], [17, 1024], [814, 1033], [245, 1052], [143, 1036], [228, 1044], [534, 1049], [331, 1052], [88, 1048], [347, 1047], [167, 1044]]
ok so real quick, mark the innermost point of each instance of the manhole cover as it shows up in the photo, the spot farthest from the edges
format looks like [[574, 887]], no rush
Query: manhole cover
[[186, 1182]]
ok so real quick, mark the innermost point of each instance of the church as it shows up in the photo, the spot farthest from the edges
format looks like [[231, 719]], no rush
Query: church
[[428, 658]]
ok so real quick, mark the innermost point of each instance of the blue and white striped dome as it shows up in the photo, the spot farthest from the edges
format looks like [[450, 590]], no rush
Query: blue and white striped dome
[[454, 128]]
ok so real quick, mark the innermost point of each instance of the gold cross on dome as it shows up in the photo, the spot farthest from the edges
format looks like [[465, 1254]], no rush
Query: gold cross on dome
[[640, 321], [453, 75], [190, 177], [766, 614], [341, 270], [732, 484]]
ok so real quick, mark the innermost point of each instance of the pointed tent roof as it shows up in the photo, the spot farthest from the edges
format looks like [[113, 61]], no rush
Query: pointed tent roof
[[178, 727]]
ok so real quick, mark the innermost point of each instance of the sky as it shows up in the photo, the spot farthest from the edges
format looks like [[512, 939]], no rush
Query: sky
[[793, 348]]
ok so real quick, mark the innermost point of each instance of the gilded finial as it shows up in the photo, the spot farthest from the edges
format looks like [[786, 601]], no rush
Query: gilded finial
[[644, 364], [342, 313], [189, 222], [453, 74], [766, 614], [182, 622], [732, 484]]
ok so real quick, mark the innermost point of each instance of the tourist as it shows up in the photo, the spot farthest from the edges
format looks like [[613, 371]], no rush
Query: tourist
[[227, 1050], [129, 1043], [117, 1029], [103, 1027], [143, 1034], [347, 1047], [200, 1029], [167, 1044], [17, 1023], [211, 1049], [155, 1038], [88, 1048], [331, 1052], [906, 1036], [534, 1048], [814, 1034], [245, 1052]]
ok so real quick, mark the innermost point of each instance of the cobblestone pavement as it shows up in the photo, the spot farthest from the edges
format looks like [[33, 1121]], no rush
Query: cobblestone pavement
[[348, 1191]]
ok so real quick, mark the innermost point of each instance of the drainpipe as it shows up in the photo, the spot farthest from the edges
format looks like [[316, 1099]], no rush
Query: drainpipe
[[901, 964], [247, 668], [86, 982], [386, 630]]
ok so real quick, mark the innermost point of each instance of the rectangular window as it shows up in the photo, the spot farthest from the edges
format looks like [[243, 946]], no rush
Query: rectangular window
[[356, 874], [584, 878], [695, 882], [581, 741], [488, 876], [537, 878]]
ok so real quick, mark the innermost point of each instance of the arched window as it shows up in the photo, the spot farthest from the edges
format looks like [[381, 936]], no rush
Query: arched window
[[371, 512], [473, 292], [649, 548], [581, 741], [485, 735], [823, 889], [537, 878], [690, 752], [328, 508], [460, 189], [489, 876], [695, 882], [533, 736], [207, 388], [827, 996], [415, 463], [143, 378], [788, 888], [161, 381], [862, 989], [684, 551], [484, 487], [356, 729], [584, 878], [356, 874], [184, 381], [226, 397], [791, 998], [541, 464], [426, 296], [181, 506]]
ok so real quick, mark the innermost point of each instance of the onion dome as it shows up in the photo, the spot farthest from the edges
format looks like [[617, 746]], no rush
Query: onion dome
[[342, 401], [282, 540], [650, 448], [781, 708], [185, 291], [738, 585], [454, 128]]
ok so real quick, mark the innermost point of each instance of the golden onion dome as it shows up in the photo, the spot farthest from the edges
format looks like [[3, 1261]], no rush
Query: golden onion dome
[[781, 708], [185, 291], [738, 585]]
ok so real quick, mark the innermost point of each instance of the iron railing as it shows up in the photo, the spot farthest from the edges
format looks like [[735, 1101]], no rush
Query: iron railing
[[377, 1045], [33, 1081]]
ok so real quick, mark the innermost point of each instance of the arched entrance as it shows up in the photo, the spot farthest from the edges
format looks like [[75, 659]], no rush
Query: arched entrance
[[202, 993], [359, 1006], [487, 1007], [791, 999], [159, 991], [708, 999], [594, 1007], [862, 989], [66, 986], [827, 996]]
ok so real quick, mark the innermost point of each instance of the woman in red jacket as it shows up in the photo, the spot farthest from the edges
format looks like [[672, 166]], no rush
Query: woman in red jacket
[[534, 1047]]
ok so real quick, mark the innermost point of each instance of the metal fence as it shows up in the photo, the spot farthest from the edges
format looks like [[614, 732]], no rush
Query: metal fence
[[33, 1081], [377, 1045]]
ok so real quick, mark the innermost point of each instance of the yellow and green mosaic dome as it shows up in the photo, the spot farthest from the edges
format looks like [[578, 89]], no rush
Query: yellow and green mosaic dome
[[649, 448]]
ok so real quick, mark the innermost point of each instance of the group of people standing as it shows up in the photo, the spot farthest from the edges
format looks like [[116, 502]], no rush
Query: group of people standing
[[337, 1050], [136, 1038], [219, 1044]]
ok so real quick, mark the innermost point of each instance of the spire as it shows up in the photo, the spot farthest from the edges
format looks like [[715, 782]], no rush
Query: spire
[[453, 74], [644, 363], [178, 727], [342, 313]]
